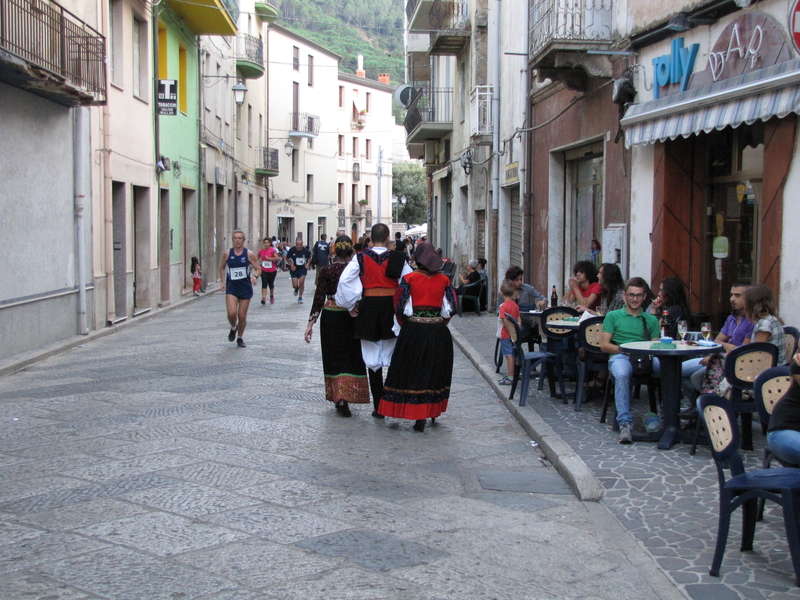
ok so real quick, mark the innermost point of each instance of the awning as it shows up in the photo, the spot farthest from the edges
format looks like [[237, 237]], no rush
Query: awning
[[758, 95]]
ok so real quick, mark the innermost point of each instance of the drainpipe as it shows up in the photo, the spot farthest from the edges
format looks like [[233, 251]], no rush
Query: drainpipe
[[79, 166], [108, 214], [494, 43]]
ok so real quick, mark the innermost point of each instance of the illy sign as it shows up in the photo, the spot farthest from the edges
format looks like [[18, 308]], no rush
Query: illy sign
[[675, 67]]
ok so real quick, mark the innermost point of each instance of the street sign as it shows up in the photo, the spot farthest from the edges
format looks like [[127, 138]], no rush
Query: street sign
[[167, 97], [794, 24]]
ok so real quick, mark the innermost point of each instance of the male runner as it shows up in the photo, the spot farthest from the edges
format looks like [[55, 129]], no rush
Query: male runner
[[321, 255], [366, 289], [298, 258], [238, 287]]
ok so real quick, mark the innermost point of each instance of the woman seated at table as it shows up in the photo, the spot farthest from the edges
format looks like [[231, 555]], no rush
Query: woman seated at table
[[783, 433], [611, 298], [671, 298], [583, 287]]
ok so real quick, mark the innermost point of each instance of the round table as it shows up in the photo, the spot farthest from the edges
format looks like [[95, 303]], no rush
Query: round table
[[670, 357]]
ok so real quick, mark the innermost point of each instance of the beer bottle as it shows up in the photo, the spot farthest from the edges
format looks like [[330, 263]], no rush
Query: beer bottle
[[554, 297], [664, 323]]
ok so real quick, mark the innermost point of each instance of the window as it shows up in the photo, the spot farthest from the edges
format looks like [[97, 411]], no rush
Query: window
[[140, 88], [250, 125], [219, 102], [310, 70], [115, 41], [368, 149], [260, 130], [354, 196], [368, 107], [162, 53], [295, 165], [341, 145], [341, 193], [355, 147], [238, 121], [368, 193], [295, 58], [183, 84], [341, 96], [309, 188], [310, 144]]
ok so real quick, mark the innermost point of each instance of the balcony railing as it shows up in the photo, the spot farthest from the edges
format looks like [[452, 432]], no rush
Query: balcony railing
[[267, 161], [448, 14], [430, 106], [480, 105], [249, 55], [569, 21], [303, 124], [52, 38]]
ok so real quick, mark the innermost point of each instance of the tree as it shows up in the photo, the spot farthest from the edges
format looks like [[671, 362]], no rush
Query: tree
[[408, 179]]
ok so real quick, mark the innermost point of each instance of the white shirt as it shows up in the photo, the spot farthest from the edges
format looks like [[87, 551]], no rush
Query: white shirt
[[350, 289]]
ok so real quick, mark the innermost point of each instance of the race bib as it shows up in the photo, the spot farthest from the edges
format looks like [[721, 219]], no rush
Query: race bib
[[238, 273], [266, 264], [299, 261]]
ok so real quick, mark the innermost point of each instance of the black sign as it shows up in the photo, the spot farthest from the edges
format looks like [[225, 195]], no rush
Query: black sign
[[167, 97]]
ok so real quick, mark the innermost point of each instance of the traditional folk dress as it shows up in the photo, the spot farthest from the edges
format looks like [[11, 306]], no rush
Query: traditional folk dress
[[342, 364], [418, 383]]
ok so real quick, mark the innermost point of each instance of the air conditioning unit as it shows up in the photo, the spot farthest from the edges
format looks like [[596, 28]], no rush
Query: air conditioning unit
[[430, 153]]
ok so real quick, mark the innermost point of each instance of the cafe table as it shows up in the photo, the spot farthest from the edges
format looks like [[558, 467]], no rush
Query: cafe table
[[670, 357]]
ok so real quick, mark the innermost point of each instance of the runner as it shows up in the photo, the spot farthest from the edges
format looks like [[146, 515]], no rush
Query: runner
[[320, 255], [366, 289], [237, 285], [269, 270], [298, 257]]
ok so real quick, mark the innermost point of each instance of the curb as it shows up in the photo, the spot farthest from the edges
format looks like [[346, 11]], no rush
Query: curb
[[22, 361], [568, 464]]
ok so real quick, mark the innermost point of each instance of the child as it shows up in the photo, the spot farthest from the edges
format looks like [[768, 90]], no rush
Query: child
[[197, 276], [504, 328]]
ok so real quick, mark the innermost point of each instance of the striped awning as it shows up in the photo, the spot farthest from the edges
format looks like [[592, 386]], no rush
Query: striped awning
[[757, 95]]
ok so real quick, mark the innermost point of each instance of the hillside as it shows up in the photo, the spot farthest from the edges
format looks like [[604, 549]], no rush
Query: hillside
[[373, 28]]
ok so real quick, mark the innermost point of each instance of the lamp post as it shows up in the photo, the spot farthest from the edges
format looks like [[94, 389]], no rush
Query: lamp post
[[239, 90], [288, 147], [396, 202]]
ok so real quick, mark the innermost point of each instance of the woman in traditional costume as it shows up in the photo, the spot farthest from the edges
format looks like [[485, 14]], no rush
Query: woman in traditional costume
[[417, 385], [345, 373]]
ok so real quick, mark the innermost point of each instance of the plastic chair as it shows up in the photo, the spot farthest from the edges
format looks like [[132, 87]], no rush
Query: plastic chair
[[527, 362], [589, 333], [782, 486], [769, 387], [471, 291], [792, 338], [560, 341]]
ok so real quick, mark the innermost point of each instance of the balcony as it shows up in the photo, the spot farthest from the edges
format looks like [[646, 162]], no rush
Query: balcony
[[480, 110], [51, 53], [429, 115], [267, 11], [249, 56], [417, 12], [208, 17], [449, 27], [267, 162], [561, 31], [303, 125]]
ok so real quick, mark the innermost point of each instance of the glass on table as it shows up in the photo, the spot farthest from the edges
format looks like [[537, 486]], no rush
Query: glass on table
[[705, 329], [683, 327]]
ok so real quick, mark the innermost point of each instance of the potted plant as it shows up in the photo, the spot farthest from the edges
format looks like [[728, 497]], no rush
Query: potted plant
[[363, 201]]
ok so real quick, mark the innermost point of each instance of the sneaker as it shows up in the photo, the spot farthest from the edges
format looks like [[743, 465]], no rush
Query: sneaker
[[299, 300], [505, 381], [263, 301], [240, 343], [232, 334], [625, 433], [296, 291], [272, 299]]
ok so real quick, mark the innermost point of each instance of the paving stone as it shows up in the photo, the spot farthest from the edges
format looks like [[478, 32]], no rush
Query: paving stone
[[44, 548], [28, 585], [278, 524], [189, 499], [543, 482]]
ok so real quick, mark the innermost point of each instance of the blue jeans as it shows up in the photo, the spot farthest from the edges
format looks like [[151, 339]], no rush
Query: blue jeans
[[620, 367], [785, 444]]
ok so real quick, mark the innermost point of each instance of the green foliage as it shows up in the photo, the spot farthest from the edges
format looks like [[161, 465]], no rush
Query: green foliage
[[408, 179], [373, 28]]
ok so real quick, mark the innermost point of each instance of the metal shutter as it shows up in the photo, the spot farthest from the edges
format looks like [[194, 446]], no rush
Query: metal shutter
[[516, 229]]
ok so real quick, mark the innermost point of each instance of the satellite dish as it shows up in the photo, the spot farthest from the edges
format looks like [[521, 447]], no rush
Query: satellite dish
[[402, 95]]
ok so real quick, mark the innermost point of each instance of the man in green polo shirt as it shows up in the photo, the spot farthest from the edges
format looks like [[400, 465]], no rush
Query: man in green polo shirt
[[620, 327]]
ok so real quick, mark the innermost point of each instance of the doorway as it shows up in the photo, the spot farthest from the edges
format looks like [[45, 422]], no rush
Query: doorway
[[164, 243], [141, 250], [119, 218], [190, 245]]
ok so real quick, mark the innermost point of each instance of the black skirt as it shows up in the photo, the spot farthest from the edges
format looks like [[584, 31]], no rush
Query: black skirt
[[342, 364]]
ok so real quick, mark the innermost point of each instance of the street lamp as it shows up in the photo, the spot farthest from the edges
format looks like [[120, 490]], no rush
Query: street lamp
[[239, 90], [288, 147], [396, 202]]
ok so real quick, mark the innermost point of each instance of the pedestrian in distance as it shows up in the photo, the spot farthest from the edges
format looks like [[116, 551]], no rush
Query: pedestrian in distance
[[197, 276], [298, 257], [345, 374], [320, 255], [269, 270], [238, 285], [418, 382]]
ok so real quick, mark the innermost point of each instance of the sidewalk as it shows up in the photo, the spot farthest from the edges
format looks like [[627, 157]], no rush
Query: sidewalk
[[666, 498]]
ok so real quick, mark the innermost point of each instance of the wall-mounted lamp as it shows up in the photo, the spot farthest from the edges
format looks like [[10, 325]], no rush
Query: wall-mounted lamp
[[239, 90], [288, 147], [466, 161], [679, 22]]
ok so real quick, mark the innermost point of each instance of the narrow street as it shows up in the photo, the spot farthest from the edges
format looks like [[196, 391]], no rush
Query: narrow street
[[162, 462]]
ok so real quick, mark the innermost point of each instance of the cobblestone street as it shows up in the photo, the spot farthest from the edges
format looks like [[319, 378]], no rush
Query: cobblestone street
[[164, 462]]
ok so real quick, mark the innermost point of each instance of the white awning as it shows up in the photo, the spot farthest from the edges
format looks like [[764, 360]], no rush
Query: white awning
[[418, 230], [758, 95]]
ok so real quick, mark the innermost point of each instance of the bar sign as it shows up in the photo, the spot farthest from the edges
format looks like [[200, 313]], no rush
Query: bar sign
[[167, 97]]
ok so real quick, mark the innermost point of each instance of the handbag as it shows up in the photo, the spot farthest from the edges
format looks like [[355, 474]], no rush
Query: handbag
[[642, 363]]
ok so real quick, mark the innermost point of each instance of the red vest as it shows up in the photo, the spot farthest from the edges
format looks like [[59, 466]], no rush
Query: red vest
[[373, 270], [427, 290]]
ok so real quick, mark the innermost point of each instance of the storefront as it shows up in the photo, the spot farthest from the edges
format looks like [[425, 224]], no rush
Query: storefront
[[713, 143]]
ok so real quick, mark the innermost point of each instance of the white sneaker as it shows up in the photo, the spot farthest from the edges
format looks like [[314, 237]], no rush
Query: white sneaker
[[625, 434]]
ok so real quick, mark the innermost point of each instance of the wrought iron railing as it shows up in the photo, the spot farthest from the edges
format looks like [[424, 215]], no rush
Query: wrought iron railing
[[433, 105], [50, 37], [480, 105], [268, 159], [570, 20], [446, 14], [304, 123], [250, 48]]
